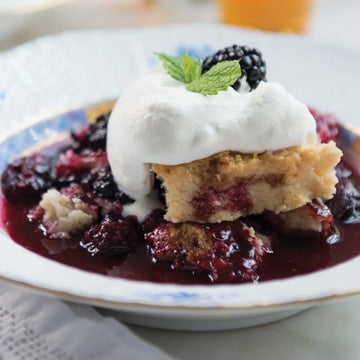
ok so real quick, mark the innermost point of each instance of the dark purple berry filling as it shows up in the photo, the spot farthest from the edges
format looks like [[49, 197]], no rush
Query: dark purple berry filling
[[227, 252], [120, 246], [26, 178], [113, 237], [345, 205], [92, 137], [326, 126]]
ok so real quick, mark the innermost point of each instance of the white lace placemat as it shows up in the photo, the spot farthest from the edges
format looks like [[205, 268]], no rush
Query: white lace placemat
[[34, 327]]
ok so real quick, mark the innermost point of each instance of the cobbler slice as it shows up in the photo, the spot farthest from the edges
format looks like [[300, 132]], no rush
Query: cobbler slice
[[229, 184]]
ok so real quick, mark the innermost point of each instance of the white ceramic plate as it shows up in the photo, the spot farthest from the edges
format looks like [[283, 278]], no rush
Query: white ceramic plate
[[75, 69]]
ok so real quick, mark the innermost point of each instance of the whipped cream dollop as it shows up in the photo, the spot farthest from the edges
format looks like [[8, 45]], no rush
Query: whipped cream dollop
[[157, 120]]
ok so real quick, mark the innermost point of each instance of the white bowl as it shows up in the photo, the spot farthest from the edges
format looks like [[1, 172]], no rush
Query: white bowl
[[75, 69]]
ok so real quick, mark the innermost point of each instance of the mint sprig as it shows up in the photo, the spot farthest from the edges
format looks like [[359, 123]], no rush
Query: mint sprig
[[187, 69], [218, 78], [192, 67], [183, 68]]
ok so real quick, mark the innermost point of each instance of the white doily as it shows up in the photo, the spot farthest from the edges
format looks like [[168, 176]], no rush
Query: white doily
[[34, 327]]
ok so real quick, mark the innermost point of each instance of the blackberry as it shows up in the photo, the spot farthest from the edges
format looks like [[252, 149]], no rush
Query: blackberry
[[253, 66], [104, 185], [112, 238], [92, 137], [345, 204], [26, 178]]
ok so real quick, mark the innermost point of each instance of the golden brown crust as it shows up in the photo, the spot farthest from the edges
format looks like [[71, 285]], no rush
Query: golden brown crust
[[231, 184], [191, 238]]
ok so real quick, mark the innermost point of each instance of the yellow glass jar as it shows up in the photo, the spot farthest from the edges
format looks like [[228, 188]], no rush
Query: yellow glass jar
[[270, 15]]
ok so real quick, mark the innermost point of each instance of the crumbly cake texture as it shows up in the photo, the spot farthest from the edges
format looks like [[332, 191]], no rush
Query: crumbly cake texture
[[63, 215], [230, 184]]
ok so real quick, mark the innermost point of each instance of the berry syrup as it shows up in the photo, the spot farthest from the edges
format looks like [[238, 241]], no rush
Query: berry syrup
[[290, 255]]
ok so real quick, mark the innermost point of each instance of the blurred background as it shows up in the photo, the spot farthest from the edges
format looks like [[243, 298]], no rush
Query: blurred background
[[328, 20]]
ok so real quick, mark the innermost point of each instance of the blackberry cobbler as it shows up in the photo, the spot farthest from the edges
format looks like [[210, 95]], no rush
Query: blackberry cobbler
[[174, 186]]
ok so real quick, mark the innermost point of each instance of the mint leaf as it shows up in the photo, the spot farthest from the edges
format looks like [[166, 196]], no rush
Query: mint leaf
[[174, 66], [192, 68], [219, 77], [185, 69]]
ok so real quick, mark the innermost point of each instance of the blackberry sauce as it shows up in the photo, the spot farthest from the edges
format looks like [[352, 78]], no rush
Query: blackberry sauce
[[290, 255]]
